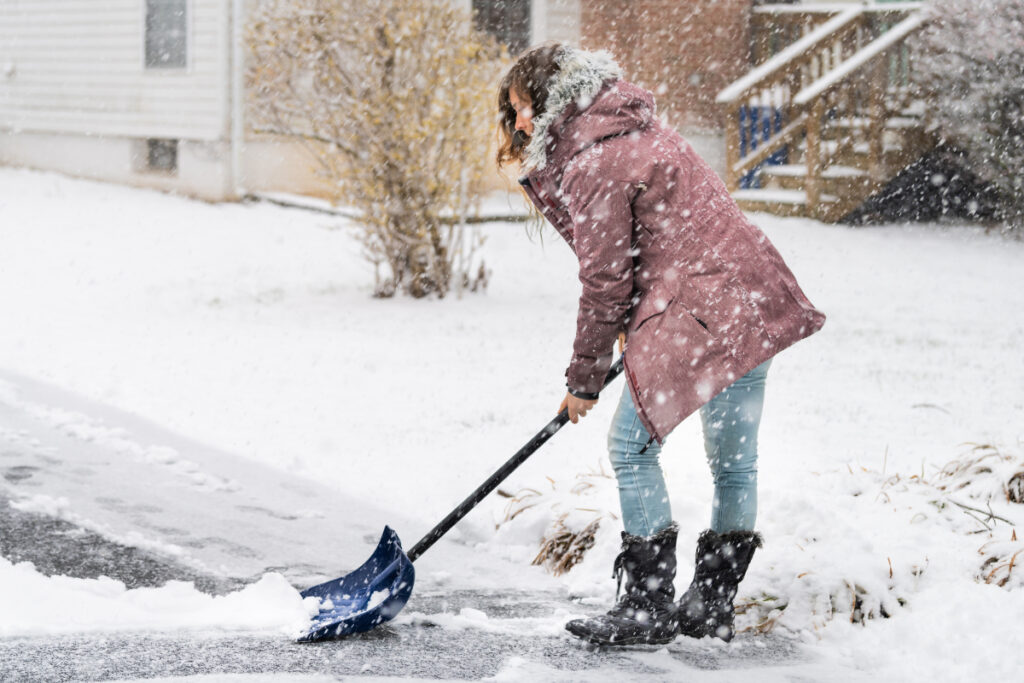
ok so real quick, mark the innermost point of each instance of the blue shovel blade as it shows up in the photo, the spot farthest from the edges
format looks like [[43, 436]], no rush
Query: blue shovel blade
[[366, 597]]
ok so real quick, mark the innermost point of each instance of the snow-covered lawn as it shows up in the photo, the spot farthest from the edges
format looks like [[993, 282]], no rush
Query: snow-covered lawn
[[251, 328]]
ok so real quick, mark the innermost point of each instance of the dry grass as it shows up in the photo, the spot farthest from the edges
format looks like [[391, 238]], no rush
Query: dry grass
[[563, 548], [983, 473], [973, 472], [519, 502], [574, 529], [765, 610], [1002, 562], [979, 463], [1015, 488], [1000, 570]]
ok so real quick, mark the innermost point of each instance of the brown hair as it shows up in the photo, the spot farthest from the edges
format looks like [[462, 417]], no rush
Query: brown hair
[[529, 77]]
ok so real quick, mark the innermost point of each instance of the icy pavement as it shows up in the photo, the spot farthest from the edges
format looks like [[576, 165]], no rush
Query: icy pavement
[[89, 492], [59, 548], [134, 482], [400, 652]]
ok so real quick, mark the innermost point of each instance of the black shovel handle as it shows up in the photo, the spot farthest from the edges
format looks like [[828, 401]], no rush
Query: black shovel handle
[[492, 482]]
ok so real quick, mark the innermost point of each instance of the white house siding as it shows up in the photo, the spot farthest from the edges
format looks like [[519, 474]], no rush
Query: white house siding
[[555, 21], [76, 96], [550, 20]]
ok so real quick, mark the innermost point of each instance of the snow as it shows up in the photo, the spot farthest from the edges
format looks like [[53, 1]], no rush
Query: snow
[[250, 331], [35, 604], [779, 196], [800, 170]]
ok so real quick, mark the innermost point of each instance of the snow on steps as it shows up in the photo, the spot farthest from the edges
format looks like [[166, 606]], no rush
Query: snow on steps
[[891, 123], [800, 170], [779, 196], [785, 202]]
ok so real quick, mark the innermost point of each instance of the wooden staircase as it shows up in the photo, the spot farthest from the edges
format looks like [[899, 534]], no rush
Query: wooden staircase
[[827, 120]]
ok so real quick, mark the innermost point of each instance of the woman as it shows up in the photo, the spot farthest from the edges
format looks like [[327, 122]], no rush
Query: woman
[[704, 300]]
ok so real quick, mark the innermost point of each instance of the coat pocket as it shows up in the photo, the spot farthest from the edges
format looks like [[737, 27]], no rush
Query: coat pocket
[[665, 333], [655, 303], [652, 305]]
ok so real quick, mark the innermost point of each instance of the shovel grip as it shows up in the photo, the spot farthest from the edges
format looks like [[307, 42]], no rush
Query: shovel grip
[[503, 472]]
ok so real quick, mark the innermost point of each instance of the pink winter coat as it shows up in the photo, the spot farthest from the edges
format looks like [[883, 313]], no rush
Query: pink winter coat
[[664, 252]]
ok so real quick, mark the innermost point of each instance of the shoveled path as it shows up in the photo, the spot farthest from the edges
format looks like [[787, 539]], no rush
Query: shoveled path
[[117, 478]]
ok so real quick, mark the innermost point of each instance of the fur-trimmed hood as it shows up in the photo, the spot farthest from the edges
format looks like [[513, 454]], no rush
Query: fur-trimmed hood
[[580, 77]]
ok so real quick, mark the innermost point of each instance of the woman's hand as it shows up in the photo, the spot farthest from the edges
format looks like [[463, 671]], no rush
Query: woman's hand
[[577, 407]]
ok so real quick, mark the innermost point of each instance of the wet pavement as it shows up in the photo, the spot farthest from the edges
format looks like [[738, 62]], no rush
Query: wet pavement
[[420, 652], [59, 548], [84, 477], [417, 648]]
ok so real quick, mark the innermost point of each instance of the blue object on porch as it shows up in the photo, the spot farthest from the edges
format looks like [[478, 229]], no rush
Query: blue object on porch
[[757, 125]]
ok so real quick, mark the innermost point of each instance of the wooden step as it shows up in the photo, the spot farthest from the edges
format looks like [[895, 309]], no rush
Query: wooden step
[[903, 122], [778, 201], [835, 180], [862, 122], [800, 171], [856, 155]]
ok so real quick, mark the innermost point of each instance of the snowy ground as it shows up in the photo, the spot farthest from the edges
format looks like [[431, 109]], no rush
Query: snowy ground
[[213, 385]]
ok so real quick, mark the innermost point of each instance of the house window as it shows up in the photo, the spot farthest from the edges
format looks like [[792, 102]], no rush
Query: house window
[[166, 34], [506, 20], [162, 155]]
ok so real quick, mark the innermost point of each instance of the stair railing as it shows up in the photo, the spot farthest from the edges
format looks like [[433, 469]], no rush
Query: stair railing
[[807, 81], [774, 82]]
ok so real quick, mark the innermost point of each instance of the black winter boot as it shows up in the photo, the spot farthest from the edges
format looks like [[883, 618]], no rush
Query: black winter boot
[[722, 559], [645, 613]]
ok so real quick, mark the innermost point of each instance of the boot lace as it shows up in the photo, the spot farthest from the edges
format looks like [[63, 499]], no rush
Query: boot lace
[[618, 569]]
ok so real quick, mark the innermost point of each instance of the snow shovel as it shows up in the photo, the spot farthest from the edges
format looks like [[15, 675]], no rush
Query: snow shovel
[[378, 590]]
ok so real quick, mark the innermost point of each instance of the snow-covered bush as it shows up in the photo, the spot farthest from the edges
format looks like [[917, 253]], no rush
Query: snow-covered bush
[[969, 64], [395, 100]]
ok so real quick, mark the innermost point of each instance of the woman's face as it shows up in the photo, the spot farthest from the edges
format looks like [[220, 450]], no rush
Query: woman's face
[[524, 111]]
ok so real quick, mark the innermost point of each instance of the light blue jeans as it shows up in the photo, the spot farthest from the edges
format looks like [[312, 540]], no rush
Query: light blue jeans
[[730, 422]]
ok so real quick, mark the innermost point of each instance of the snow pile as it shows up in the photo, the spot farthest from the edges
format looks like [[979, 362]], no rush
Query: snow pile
[[37, 604], [876, 570], [862, 552]]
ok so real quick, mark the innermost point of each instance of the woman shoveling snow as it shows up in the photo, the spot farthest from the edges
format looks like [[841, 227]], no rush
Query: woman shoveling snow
[[704, 302]]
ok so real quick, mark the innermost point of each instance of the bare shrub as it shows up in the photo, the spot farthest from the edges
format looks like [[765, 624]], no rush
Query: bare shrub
[[394, 100]]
